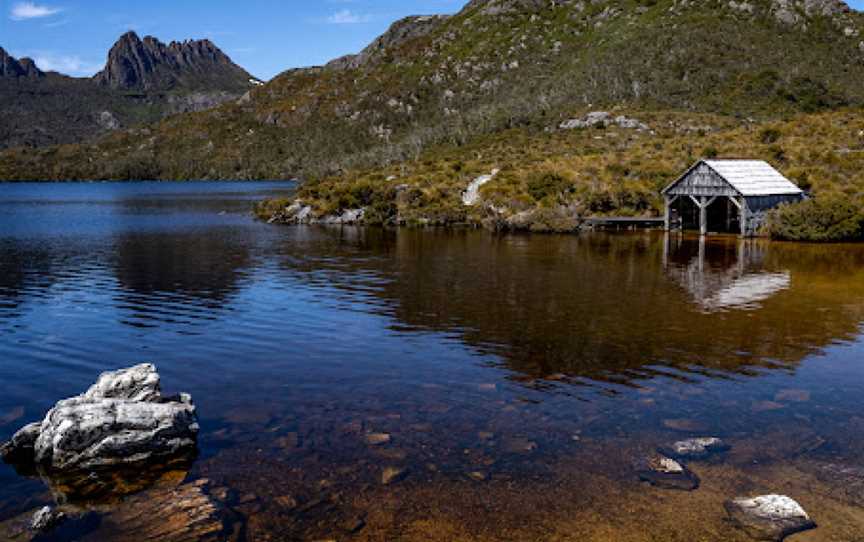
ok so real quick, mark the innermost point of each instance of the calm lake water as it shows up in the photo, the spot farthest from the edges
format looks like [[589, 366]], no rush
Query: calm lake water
[[518, 377]]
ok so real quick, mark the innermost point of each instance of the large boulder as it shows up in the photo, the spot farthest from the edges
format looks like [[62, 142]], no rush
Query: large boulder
[[123, 419]]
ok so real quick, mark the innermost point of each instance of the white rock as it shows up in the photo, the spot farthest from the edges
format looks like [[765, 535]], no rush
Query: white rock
[[46, 518], [122, 419], [769, 517], [695, 448]]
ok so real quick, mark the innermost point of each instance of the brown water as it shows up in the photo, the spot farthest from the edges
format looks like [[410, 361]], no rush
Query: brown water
[[518, 377]]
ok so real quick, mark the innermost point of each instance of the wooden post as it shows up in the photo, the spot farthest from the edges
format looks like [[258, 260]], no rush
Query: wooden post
[[703, 216], [667, 213], [743, 208], [728, 214]]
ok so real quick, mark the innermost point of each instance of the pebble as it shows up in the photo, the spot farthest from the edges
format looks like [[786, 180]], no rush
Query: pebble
[[377, 439], [794, 396], [518, 445], [46, 518], [765, 406], [694, 448], [769, 517], [666, 473], [684, 424], [354, 524], [479, 476], [287, 501], [392, 474]]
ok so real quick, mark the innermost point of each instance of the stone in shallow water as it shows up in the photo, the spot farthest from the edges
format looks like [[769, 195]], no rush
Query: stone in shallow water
[[666, 473], [684, 425], [695, 448], [122, 419], [769, 517], [792, 395], [392, 474], [377, 439], [46, 518]]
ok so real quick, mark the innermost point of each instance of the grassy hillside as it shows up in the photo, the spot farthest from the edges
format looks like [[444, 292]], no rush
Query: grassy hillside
[[548, 180], [496, 67]]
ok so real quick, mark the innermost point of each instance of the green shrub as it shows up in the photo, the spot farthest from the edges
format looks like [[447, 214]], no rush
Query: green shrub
[[821, 220], [548, 185]]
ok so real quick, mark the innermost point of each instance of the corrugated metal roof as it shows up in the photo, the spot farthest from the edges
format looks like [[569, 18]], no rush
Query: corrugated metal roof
[[753, 177]]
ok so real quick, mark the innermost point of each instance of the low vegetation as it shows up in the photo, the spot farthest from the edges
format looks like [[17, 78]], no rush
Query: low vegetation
[[549, 180], [831, 218]]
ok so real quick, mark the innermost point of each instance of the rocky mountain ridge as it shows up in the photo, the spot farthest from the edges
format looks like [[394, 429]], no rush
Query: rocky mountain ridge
[[143, 81], [11, 67], [148, 64]]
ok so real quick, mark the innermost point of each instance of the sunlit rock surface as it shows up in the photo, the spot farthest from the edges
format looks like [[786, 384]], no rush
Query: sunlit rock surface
[[122, 419], [695, 448], [769, 517], [666, 473]]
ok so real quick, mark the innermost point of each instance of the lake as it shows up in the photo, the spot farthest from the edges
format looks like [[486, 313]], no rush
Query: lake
[[517, 377]]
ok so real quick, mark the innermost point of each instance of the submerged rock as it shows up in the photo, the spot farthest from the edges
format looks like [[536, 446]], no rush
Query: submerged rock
[[666, 473], [392, 474], [166, 514], [377, 439], [769, 517], [46, 518], [695, 448], [123, 419]]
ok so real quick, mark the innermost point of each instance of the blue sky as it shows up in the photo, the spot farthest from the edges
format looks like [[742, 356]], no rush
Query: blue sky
[[264, 36]]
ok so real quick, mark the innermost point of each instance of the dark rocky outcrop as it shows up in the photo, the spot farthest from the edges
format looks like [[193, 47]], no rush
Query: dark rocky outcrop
[[14, 68], [148, 64]]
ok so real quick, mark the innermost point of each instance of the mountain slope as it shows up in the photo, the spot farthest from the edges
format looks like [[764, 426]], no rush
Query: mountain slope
[[143, 81], [497, 64]]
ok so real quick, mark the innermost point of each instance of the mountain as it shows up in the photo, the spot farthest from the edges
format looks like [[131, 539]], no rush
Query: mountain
[[13, 68], [150, 65], [143, 82], [496, 65]]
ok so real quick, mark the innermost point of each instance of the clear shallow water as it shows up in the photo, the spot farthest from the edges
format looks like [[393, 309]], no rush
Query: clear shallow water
[[518, 376]]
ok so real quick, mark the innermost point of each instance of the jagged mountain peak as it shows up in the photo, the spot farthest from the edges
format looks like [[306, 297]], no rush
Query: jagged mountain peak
[[12, 67], [149, 64]]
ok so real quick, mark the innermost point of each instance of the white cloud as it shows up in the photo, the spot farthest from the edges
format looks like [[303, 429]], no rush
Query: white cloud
[[346, 16], [28, 10], [68, 64]]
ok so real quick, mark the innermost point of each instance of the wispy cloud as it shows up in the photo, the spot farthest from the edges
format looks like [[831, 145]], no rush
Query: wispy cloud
[[346, 16], [53, 61], [23, 11]]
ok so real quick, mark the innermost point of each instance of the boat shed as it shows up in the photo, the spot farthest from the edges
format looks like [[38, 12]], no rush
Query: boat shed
[[726, 196]]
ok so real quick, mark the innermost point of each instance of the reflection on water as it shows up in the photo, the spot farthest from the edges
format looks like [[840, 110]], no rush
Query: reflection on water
[[516, 378], [738, 284]]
